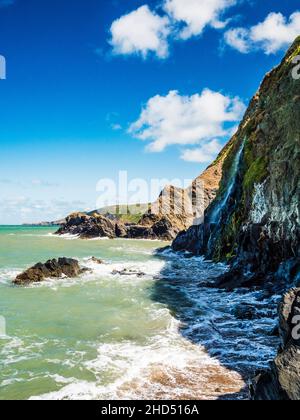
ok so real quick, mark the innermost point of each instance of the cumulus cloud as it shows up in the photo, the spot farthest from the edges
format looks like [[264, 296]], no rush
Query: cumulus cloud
[[238, 38], [275, 33], [141, 32], [197, 14], [186, 120], [204, 154]]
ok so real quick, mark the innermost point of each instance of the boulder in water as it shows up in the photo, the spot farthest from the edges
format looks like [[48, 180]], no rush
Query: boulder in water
[[51, 269], [96, 260], [245, 312], [127, 272]]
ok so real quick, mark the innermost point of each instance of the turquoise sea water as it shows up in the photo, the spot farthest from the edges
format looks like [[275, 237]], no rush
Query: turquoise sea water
[[107, 336]]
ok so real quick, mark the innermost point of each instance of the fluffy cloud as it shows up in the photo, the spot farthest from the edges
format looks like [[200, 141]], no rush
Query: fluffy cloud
[[204, 154], [197, 14], [144, 31], [238, 39], [276, 32], [186, 120], [141, 32]]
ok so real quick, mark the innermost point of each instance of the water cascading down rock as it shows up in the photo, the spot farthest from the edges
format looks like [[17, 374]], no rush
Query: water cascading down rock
[[254, 222]]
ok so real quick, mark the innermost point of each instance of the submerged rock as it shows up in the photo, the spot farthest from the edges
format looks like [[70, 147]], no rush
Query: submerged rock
[[245, 312], [51, 269], [96, 260], [127, 272]]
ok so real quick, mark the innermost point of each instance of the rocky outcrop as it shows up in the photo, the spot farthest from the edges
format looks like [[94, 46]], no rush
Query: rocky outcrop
[[175, 210], [282, 380], [254, 221], [97, 226], [63, 267], [88, 227]]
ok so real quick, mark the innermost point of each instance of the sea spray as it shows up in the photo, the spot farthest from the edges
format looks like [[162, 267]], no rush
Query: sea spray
[[103, 336]]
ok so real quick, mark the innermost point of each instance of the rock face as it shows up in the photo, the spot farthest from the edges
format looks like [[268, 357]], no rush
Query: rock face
[[282, 381], [88, 226], [254, 222], [51, 269], [174, 211]]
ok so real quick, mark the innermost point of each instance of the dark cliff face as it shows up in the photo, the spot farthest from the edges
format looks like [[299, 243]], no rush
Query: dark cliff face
[[254, 221], [282, 380]]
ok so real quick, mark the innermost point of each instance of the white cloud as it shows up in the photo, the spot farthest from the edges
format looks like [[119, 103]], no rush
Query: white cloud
[[141, 32], [238, 39], [186, 120], [275, 33], [204, 154], [197, 14]]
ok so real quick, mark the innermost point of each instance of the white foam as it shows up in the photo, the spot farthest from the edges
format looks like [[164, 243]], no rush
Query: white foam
[[133, 366], [8, 275], [66, 236]]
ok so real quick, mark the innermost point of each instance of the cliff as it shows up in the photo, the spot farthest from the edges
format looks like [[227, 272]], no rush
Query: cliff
[[174, 211], [254, 221]]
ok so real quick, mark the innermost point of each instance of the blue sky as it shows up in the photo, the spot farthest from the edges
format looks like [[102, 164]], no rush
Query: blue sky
[[80, 74]]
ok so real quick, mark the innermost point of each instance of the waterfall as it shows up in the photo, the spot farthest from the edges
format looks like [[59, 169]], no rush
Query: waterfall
[[215, 217]]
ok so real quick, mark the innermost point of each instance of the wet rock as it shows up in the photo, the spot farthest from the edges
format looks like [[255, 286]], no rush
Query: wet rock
[[96, 260], [161, 251], [120, 230], [51, 269], [88, 227], [282, 380], [244, 311], [274, 332], [194, 239], [127, 272]]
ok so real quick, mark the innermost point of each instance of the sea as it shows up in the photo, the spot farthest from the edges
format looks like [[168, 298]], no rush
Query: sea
[[158, 330]]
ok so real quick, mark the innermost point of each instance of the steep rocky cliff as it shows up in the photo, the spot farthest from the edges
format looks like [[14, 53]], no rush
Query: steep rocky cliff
[[174, 211], [254, 221]]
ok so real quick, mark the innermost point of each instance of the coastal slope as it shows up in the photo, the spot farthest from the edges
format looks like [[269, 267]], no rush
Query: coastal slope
[[253, 224], [254, 221]]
